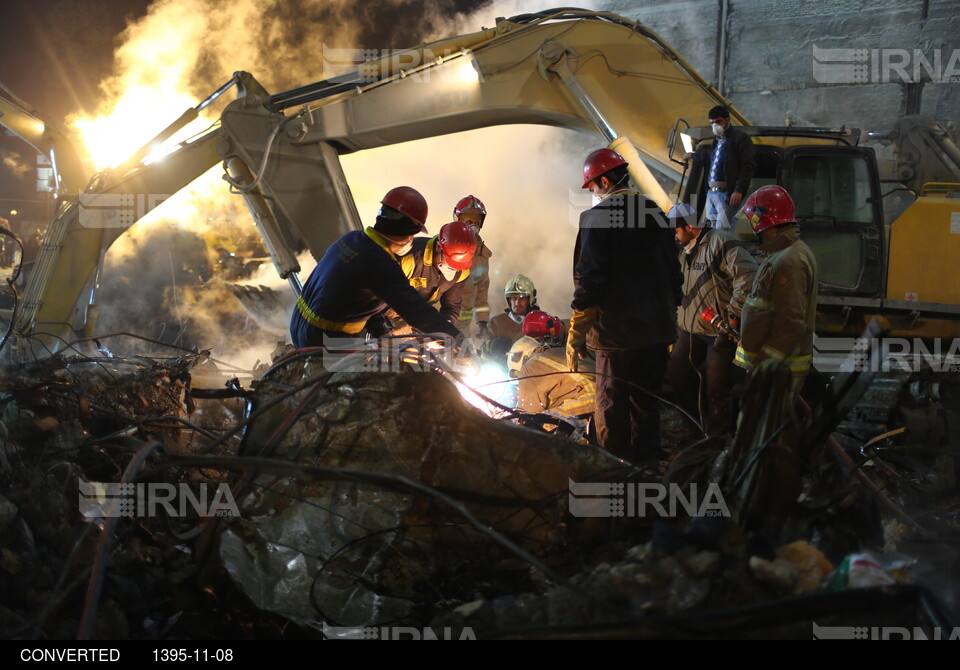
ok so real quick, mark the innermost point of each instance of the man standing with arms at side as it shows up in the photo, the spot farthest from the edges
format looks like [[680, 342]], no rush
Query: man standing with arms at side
[[626, 291], [780, 313], [730, 166]]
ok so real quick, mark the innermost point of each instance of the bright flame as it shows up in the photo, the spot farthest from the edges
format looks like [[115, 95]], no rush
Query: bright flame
[[467, 72], [138, 116], [156, 65]]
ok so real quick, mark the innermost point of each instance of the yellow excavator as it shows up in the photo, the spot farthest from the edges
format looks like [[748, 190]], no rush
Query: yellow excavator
[[594, 72]]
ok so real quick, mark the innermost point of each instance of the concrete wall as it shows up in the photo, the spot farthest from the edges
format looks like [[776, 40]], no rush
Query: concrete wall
[[767, 68]]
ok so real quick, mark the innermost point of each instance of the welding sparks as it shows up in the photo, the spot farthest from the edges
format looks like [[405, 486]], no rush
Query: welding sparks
[[490, 381]]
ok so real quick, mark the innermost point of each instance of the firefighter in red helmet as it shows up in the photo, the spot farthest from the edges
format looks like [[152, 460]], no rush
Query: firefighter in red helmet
[[626, 291], [779, 314], [475, 303], [438, 268]]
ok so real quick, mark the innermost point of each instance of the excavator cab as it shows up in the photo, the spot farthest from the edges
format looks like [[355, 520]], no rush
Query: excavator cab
[[836, 189]]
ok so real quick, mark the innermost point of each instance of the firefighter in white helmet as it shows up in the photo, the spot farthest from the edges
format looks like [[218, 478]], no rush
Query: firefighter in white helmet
[[506, 327], [521, 297]]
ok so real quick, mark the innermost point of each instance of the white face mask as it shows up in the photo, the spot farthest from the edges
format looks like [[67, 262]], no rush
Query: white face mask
[[447, 272], [405, 249], [717, 129], [596, 200]]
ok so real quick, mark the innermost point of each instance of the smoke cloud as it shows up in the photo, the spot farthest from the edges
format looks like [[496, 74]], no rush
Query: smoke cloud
[[529, 177], [14, 162]]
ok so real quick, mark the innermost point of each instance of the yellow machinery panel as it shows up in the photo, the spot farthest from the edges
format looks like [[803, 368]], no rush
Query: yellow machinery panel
[[925, 252]]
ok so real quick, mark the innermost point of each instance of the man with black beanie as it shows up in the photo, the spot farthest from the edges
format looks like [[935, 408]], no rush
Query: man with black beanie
[[360, 275]]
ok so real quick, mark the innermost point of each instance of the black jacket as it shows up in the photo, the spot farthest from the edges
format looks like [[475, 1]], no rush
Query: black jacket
[[739, 161], [355, 280], [625, 263]]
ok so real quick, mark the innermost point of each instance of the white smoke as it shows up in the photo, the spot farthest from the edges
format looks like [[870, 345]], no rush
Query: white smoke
[[529, 177]]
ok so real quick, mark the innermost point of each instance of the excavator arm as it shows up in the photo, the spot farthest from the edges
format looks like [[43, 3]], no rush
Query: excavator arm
[[594, 72]]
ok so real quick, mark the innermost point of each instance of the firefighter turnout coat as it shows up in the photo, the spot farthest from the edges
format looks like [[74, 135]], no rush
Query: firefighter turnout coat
[[779, 315], [426, 279]]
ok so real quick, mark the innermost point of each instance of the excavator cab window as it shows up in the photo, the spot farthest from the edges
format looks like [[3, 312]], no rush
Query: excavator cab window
[[836, 194], [832, 188]]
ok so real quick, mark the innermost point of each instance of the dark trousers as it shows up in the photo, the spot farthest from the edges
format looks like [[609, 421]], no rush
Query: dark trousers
[[627, 419], [689, 353]]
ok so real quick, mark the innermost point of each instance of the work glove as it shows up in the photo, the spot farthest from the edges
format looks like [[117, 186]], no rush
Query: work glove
[[580, 325]]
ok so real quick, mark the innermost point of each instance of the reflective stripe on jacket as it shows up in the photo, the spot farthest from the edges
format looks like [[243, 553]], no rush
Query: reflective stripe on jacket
[[420, 269], [355, 280], [779, 315], [475, 291]]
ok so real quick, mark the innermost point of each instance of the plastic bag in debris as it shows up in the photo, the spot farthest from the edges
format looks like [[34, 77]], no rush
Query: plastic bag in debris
[[864, 570], [360, 552]]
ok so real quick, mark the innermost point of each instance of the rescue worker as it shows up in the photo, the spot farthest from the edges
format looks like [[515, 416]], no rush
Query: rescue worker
[[360, 276], [521, 297], [540, 331], [718, 272], [538, 361], [626, 291], [475, 302], [780, 313], [438, 268]]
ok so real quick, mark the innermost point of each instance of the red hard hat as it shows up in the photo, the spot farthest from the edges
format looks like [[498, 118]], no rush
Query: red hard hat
[[768, 206], [458, 243], [408, 202], [539, 324], [470, 203], [599, 163]]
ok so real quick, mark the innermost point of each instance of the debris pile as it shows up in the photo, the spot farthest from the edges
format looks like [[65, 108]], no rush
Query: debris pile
[[71, 425], [407, 497], [361, 498]]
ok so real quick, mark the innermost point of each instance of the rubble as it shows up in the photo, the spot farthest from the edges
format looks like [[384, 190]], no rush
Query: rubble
[[371, 498], [359, 552]]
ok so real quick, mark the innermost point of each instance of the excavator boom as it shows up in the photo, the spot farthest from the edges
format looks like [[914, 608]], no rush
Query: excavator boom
[[594, 72]]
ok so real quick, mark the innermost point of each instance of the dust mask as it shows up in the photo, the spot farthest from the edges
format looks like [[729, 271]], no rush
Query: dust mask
[[448, 272], [717, 129]]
